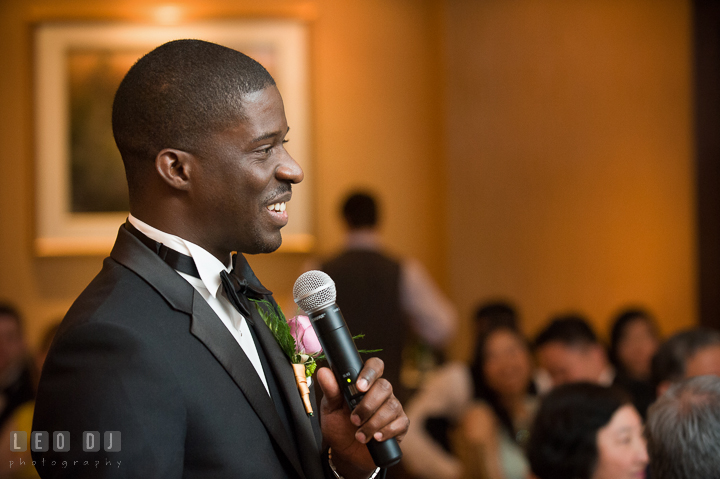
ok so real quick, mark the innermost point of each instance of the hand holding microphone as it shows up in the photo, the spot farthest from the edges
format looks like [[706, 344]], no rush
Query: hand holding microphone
[[315, 293]]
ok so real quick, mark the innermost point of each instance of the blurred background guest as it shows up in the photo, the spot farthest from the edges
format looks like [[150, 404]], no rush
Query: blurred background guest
[[689, 353], [634, 339], [489, 403], [391, 301], [21, 419], [492, 314], [587, 431], [569, 350], [16, 384], [683, 430]]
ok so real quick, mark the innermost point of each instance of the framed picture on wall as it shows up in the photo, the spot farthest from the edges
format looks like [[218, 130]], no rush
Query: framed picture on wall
[[80, 188]]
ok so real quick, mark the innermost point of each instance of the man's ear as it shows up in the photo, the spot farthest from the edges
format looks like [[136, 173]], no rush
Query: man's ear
[[175, 167]]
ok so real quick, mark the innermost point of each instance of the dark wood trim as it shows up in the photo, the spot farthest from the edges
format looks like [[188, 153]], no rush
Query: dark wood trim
[[706, 32]]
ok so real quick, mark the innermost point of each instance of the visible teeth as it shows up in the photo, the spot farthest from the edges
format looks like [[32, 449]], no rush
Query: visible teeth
[[279, 207]]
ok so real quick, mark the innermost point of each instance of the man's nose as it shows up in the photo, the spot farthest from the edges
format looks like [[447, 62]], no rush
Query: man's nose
[[289, 170]]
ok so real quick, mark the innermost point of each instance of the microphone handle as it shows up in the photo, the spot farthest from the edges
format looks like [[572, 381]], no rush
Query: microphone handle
[[346, 364]]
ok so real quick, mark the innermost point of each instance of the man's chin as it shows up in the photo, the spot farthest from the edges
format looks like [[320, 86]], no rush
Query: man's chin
[[266, 246]]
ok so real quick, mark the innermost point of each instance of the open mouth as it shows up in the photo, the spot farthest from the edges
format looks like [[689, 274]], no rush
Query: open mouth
[[277, 208], [278, 213]]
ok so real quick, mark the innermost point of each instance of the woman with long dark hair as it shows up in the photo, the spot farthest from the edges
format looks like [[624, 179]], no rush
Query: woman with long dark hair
[[491, 404], [634, 339], [495, 428]]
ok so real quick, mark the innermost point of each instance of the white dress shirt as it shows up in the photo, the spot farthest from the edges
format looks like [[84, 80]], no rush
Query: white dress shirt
[[210, 287]]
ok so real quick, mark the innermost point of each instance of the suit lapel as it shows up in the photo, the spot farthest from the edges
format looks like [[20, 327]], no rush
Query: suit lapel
[[307, 444], [213, 334], [209, 329]]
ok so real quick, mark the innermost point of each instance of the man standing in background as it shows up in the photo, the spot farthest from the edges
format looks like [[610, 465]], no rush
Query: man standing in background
[[386, 299]]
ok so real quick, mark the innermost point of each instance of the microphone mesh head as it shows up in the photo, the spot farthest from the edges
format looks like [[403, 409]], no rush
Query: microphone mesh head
[[313, 291]]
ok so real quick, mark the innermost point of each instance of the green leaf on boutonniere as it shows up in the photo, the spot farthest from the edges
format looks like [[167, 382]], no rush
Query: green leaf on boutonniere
[[276, 322]]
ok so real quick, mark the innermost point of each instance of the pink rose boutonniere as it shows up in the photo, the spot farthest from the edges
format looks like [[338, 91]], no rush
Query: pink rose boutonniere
[[307, 351], [297, 338], [306, 341]]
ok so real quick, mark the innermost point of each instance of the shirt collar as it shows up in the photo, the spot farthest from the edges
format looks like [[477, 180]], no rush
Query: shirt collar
[[208, 266]]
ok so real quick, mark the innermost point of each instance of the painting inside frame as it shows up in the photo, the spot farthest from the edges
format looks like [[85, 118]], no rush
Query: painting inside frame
[[81, 192]]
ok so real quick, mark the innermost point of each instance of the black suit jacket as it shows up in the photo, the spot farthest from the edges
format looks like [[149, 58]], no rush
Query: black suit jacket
[[141, 352]]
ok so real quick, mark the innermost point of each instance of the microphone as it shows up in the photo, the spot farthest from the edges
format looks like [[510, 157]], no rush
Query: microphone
[[314, 292]]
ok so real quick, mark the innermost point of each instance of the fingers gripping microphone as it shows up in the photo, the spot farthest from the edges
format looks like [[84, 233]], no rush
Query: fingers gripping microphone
[[314, 292]]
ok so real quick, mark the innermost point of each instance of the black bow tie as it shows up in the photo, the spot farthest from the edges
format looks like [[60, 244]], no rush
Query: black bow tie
[[240, 284], [236, 293]]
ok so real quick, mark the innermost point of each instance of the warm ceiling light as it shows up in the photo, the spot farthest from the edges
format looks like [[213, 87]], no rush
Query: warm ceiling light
[[168, 14]]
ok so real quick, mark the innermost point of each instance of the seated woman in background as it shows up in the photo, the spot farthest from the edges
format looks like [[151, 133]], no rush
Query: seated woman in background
[[587, 431], [490, 402], [634, 339]]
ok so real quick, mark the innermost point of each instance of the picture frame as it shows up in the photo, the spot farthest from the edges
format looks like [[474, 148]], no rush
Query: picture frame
[[79, 180]]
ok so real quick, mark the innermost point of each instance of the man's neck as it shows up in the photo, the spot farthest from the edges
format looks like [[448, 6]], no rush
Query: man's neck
[[362, 238], [177, 242]]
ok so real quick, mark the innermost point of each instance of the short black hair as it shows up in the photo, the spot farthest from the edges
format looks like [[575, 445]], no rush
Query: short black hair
[[622, 320], [568, 329], [178, 94], [563, 438], [360, 210], [668, 363]]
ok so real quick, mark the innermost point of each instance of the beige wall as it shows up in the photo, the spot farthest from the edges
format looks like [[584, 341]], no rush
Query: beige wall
[[539, 150], [570, 157]]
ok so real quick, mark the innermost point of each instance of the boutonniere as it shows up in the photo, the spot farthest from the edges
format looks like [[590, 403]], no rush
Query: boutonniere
[[297, 339]]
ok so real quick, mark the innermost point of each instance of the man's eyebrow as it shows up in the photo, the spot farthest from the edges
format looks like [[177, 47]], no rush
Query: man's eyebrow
[[269, 135]]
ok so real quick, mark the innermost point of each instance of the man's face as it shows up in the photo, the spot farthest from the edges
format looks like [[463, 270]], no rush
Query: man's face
[[568, 364], [704, 362], [243, 180]]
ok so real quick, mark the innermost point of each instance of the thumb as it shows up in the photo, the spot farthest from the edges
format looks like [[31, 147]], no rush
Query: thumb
[[330, 388]]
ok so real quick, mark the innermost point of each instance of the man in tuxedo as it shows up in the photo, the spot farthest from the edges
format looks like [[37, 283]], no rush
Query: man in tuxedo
[[164, 363]]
